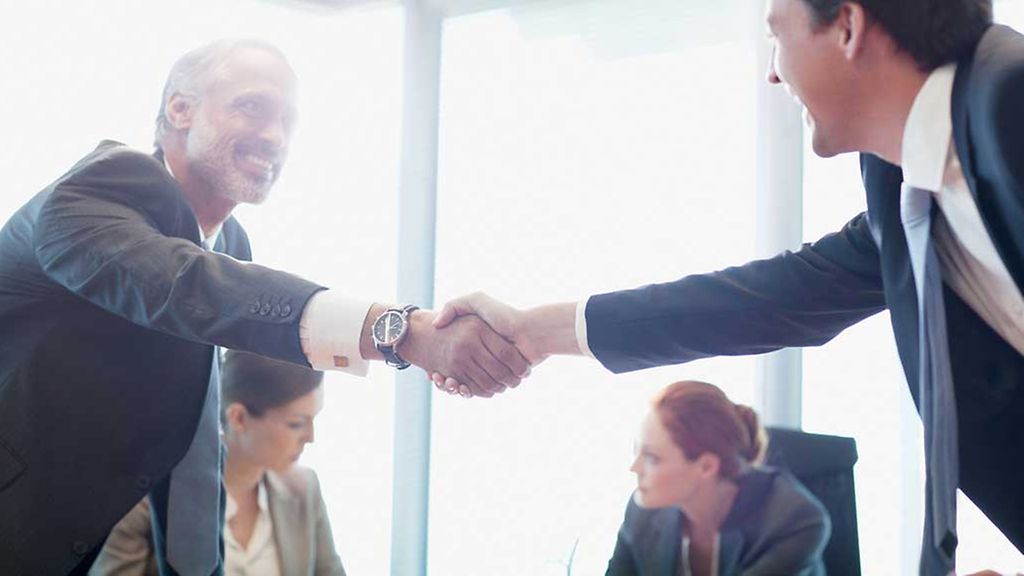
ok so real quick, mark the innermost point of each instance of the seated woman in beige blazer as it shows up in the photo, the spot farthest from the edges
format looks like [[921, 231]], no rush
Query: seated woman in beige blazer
[[275, 520], [704, 504]]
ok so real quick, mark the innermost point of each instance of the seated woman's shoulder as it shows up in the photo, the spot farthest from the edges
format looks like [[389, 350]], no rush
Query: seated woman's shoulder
[[638, 519], [792, 505], [298, 480]]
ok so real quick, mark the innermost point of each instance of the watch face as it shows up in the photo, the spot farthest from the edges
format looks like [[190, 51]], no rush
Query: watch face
[[389, 327]]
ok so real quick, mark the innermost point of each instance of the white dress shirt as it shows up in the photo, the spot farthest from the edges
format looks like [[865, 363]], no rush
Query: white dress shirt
[[684, 556], [330, 329], [971, 266], [259, 557]]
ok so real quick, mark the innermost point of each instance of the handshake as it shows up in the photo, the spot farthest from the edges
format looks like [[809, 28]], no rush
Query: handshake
[[478, 346]]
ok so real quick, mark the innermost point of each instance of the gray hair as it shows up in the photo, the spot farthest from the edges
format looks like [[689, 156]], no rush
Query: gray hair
[[192, 74]]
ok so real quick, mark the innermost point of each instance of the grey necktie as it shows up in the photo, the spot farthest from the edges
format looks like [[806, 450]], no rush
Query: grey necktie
[[193, 506], [935, 388]]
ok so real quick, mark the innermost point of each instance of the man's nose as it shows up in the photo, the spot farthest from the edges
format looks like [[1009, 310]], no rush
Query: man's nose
[[274, 135], [773, 75]]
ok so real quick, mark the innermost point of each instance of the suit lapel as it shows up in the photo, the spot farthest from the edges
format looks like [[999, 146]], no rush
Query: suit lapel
[[291, 533], [882, 182], [1000, 210], [730, 544], [185, 221], [961, 133], [661, 555]]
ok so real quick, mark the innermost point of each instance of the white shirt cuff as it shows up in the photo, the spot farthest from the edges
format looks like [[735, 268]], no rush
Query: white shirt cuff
[[330, 329], [581, 328]]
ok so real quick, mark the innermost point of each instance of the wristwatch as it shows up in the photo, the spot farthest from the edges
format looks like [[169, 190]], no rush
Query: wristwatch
[[389, 329]]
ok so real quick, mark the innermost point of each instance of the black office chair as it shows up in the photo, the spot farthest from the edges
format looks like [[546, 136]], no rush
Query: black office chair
[[824, 464]]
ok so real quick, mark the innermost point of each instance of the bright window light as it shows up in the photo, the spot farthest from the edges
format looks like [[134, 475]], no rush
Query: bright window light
[[585, 147]]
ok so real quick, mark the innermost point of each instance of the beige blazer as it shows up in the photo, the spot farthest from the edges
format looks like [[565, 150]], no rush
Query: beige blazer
[[302, 532]]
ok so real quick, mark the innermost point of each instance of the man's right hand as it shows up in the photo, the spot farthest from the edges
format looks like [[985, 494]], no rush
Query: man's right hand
[[466, 349], [537, 332]]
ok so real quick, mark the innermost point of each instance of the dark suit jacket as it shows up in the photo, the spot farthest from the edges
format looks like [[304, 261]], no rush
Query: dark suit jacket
[[775, 527], [109, 311], [806, 298]]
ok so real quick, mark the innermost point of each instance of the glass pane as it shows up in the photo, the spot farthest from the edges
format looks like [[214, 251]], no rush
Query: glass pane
[[83, 78], [1011, 13], [585, 147], [868, 401]]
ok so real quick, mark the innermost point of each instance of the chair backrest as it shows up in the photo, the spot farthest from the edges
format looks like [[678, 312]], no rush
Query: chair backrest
[[824, 464]]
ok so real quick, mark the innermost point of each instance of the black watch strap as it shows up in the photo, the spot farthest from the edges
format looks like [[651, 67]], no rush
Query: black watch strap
[[391, 356]]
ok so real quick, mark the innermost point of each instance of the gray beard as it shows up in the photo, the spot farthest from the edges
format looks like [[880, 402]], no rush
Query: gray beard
[[213, 161], [225, 180]]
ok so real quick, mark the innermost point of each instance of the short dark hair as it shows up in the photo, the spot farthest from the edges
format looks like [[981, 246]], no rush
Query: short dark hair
[[260, 383], [933, 32]]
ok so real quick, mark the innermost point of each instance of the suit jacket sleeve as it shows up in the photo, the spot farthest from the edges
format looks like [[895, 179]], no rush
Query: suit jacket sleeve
[[110, 233], [802, 298]]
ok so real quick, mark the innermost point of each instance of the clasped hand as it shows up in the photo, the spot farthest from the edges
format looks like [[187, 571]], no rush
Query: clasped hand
[[468, 343], [505, 336]]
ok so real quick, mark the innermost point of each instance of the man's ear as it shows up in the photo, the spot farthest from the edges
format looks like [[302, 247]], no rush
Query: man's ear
[[851, 26], [180, 111]]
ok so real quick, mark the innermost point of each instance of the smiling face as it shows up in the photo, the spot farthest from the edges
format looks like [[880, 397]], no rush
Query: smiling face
[[811, 63], [664, 475], [241, 126], [276, 438]]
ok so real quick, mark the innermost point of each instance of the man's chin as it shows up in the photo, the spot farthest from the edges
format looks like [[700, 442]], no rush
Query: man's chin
[[822, 146], [257, 199], [254, 196]]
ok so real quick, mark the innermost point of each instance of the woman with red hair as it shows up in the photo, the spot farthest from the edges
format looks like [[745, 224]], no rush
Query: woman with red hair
[[705, 504]]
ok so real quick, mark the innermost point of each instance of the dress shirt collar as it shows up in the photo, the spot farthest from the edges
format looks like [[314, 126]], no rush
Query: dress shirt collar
[[928, 132], [231, 507]]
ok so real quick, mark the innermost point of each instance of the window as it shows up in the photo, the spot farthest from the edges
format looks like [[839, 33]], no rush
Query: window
[[869, 401], [585, 147]]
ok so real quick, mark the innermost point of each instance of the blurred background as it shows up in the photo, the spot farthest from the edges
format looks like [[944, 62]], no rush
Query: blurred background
[[571, 147]]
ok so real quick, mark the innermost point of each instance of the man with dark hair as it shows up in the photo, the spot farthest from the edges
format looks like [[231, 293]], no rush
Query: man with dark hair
[[931, 93], [116, 283], [932, 33]]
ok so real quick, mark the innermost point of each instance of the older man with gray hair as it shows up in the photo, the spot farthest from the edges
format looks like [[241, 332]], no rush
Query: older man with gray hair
[[117, 283]]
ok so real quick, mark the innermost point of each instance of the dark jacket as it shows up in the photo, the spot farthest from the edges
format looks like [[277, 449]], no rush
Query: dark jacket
[[109, 311], [775, 527]]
